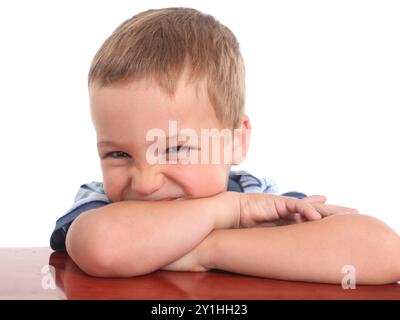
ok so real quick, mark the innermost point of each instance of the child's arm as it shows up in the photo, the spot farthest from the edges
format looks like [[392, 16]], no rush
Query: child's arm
[[137, 237], [315, 251]]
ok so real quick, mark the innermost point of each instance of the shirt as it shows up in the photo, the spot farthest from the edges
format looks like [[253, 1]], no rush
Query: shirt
[[92, 195]]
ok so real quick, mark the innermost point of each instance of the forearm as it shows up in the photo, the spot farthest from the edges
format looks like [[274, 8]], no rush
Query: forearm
[[132, 238], [313, 251]]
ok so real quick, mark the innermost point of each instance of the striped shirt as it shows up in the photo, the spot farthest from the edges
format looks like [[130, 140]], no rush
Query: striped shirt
[[92, 195]]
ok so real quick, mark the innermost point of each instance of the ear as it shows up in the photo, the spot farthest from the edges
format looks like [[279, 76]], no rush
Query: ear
[[241, 141]]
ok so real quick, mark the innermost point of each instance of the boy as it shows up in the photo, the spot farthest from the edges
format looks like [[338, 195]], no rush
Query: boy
[[173, 74]]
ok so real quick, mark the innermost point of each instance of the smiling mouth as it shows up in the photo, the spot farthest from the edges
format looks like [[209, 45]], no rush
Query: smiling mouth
[[170, 199]]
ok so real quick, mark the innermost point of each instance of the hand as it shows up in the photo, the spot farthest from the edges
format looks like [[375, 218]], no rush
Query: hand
[[318, 201], [261, 209]]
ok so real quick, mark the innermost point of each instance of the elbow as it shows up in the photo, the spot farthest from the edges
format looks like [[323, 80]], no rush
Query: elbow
[[385, 250], [391, 253], [396, 258], [393, 265], [90, 262], [91, 244], [396, 271], [84, 246]]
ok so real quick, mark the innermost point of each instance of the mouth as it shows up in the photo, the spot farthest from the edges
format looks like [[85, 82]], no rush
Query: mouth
[[170, 199]]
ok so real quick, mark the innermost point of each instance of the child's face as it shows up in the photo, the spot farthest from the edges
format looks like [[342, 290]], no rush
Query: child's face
[[124, 113]]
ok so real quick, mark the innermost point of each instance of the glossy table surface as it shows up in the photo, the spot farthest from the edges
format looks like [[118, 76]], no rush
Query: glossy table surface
[[40, 273]]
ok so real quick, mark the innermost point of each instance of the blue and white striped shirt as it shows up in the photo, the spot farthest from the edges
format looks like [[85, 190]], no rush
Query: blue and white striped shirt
[[92, 195]]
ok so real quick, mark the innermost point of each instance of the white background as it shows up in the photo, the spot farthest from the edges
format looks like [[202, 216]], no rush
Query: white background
[[323, 90]]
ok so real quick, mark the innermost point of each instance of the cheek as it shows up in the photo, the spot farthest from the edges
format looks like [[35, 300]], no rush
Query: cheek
[[203, 180], [114, 181]]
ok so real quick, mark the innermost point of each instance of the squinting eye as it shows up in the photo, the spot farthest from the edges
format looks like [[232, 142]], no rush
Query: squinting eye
[[180, 148], [116, 154]]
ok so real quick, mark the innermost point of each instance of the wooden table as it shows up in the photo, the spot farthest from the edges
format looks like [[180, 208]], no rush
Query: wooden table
[[40, 273]]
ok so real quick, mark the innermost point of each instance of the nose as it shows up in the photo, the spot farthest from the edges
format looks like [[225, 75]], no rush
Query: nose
[[146, 181]]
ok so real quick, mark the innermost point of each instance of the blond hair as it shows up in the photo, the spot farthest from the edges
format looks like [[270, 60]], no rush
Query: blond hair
[[160, 43]]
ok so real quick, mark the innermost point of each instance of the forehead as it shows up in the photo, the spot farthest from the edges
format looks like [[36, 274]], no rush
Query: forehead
[[137, 106]]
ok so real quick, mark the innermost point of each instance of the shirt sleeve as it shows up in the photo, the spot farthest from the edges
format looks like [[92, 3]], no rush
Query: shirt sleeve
[[242, 181], [294, 194], [89, 196], [269, 185]]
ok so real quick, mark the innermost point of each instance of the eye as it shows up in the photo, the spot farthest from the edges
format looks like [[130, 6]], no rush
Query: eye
[[173, 149], [116, 154]]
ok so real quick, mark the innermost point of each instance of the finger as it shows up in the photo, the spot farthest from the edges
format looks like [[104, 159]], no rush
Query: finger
[[315, 198], [306, 209], [296, 218], [328, 209]]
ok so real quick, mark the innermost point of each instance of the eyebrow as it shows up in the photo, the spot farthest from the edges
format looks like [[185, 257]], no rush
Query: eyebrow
[[115, 144], [106, 143]]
